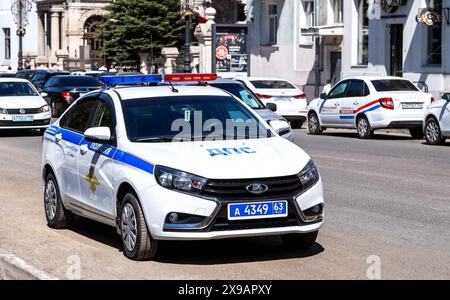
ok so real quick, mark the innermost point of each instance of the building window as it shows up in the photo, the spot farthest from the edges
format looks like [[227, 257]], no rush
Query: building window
[[338, 11], [7, 35], [308, 8], [363, 32], [273, 23], [434, 49]]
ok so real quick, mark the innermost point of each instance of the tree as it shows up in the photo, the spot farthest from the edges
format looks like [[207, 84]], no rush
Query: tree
[[134, 26]]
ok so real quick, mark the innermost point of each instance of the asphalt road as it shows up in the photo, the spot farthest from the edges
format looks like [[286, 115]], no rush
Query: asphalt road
[[387, 198]]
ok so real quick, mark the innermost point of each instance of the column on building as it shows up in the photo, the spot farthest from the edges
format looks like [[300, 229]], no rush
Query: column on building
[[41, 33], [55, 34]]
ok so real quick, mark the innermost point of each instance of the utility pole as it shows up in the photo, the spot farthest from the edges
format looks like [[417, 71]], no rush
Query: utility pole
[[187, 12], [20, 10]]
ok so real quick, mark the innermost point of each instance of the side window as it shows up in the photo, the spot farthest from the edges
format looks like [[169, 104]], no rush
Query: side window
[[338, 91], [366, 90], [355, 89], [51, 82], [103, 117], [80, 115]]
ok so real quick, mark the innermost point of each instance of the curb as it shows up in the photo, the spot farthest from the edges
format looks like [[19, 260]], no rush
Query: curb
[[14, 268]]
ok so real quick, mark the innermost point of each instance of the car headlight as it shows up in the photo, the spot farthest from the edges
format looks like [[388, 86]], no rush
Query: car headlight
[[178, 180], [45, 108], [309, 176], [3, 111]]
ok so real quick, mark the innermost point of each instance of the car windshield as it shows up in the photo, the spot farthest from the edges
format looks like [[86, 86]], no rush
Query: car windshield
[[188, 118], [394, 85], [74, 81], [11, 89], [242, 93], [272, 84]]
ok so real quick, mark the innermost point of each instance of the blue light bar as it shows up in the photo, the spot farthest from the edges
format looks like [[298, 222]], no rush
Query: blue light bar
[[130, 79]]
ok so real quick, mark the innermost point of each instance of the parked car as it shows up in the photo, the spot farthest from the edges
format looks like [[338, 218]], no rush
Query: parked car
[[42, 76], [7, 75], [21, 106], [437, 121], [62, 91], [26, 74], [290, 100]]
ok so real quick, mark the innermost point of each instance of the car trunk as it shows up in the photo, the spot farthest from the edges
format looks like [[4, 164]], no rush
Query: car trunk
[[409, 103]]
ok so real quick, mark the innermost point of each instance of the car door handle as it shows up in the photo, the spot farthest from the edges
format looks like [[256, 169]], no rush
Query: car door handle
[[355, 103], [84, 149], [58, 137], [337, 104]]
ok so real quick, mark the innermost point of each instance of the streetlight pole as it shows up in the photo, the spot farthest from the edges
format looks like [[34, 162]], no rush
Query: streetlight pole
[[20, 9], [187, 37]]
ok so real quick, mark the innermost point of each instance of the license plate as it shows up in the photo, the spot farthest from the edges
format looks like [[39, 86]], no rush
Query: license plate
[[283, 99], [22, 118], [412, 105], [257, 210]]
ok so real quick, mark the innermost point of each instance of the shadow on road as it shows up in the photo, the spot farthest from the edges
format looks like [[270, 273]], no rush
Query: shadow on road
[[213, 252], [377, 136], [19, 133]]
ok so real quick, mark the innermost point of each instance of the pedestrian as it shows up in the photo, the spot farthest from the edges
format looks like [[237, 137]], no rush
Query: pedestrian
[[28, 64], [103, 68], [95, 67], [113, 69]]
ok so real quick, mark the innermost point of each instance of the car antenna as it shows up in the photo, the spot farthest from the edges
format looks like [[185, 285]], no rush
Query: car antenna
[[174, 90]]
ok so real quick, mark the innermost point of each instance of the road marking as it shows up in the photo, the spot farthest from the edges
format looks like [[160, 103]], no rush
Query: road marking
[[14, 267], [340, 158]]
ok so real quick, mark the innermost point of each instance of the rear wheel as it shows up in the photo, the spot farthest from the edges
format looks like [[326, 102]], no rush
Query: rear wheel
[[57, 216], [363, 127], [416, 133], [314, 124], [138, 244], [300, 241], [433, 134]]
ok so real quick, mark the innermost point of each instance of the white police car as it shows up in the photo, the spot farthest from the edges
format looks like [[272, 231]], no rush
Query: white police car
[[120, 156], [437, 121], [369, 103]]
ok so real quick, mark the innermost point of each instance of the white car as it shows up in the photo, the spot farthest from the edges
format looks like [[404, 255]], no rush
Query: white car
[[115, 156], [437, 121], [290, 100], [21, 106], [370, 103]]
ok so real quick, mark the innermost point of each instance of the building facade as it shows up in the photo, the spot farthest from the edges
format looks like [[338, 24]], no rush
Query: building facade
[[9, 41], [407, 38], [67, 33]]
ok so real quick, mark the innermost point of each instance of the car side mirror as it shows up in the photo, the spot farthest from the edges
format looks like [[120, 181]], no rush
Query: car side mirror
[[272, 107], [99, 135], [279, 125], [43, 94], [323, 96]]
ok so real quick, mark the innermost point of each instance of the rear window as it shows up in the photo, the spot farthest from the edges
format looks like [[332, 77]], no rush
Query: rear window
[[272, 84], [393, 85], [78, 81]]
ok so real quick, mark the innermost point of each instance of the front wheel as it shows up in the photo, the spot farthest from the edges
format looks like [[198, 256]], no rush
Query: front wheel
[[364, 129], [300, 241], [416, 133], [314, 124], [433, 134], [138, 244]]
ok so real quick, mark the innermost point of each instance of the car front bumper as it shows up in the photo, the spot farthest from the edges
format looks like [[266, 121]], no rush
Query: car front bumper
[[158, 203]]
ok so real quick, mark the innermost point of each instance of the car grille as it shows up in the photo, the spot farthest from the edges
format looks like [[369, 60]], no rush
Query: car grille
[[27, 111], [236, 189], [25, 124]]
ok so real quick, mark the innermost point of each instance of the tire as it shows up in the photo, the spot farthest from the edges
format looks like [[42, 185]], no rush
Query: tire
[[297, 124], [433, 134], [132, 223], [363, 128], [416, 133], [300, 241], [58, 217], [314, 124]]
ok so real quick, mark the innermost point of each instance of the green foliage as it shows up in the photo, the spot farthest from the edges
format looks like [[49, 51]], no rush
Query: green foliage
[[133, 26]]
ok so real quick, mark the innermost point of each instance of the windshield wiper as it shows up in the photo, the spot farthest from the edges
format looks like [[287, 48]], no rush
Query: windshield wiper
[[156, 139]]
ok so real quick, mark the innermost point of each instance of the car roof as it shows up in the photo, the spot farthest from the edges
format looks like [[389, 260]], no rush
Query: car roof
[[263, 78], [13, 79], [375, 77], [53, 71], [209, 82], [129, 93]]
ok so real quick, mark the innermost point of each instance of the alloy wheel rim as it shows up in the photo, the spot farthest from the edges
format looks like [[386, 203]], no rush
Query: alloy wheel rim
[[312, 123], [432, 131], [362, 127], [129, 228], [50, 200]]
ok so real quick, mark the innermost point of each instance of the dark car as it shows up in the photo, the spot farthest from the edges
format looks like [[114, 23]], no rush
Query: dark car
[[26, 74], [62, 91], [42, 76]]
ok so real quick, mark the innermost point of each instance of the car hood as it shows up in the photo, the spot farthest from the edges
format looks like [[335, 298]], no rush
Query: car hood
[[279, 92], [269, 115], [244, 159], [22, 102]]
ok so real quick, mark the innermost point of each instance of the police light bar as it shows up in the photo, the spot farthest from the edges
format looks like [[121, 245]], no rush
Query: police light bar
[[130, 79], [190, 77]]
